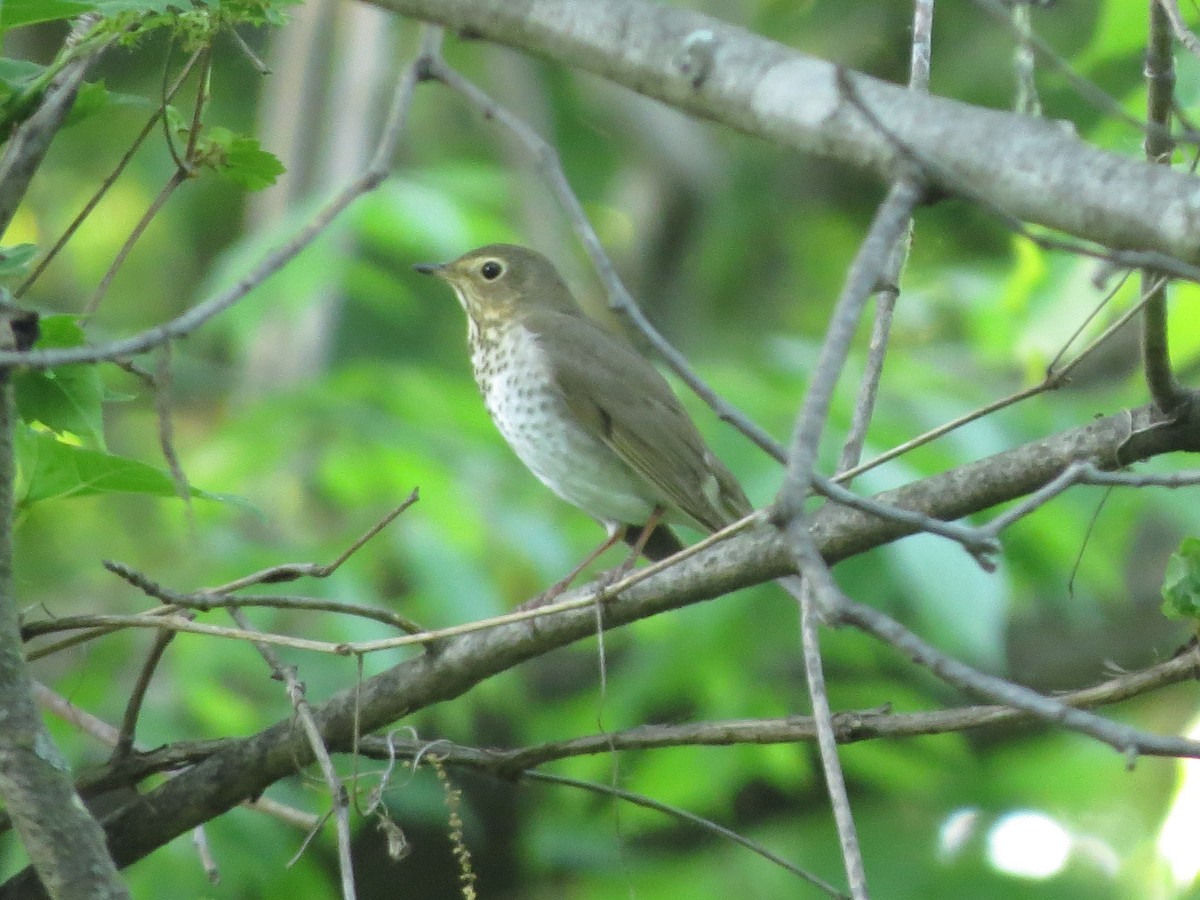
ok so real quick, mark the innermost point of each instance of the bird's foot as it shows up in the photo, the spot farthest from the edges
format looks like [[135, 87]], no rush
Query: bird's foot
[[548, 596], [606, 580]]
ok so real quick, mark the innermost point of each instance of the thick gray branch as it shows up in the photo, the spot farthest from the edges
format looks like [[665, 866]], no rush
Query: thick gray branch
[[1031, 169], [246, 768]]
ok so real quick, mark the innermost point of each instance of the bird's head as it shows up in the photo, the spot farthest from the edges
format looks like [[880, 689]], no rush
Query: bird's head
[[498, 283]]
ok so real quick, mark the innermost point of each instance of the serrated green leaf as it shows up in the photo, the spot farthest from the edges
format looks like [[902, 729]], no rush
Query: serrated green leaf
[[1181, 583], [242, 159], [15, 13], [50, 469], [14, 261]]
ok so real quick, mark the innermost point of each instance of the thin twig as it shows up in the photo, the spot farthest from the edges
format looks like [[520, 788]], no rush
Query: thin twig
[[259, 66], [1088, 90], [685, 816], [1084, 472], [888, 288], [1027, 102], [183, 170], [175, 622], [891, 220], [1100, 306], [868, 390], [1182, 33], [109, 180], [981, 546], [1166, 390], [586, 596], [91, 634], [1054, 379], [1127, 740], [204, 601], [292, 571], [166, 434], [208, 862], [814, 673], [316, 741], [133, 707], [849, 726], [184, 324], [177, 178], [203, 95]]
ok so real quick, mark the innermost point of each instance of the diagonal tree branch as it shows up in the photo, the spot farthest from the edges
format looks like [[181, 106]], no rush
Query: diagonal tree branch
[[1033, 170], [245, 768], [29, 143], [795, 100]]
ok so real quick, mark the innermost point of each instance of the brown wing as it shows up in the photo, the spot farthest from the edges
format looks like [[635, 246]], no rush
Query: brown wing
[[624, 400]]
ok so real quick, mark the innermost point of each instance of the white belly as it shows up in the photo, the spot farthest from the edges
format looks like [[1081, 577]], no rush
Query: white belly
[[578, 466]]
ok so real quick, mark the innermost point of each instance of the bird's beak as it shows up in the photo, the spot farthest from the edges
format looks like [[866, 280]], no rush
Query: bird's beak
[[429, 269]]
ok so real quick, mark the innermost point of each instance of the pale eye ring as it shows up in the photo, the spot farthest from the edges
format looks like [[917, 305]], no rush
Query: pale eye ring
[[491, 270]]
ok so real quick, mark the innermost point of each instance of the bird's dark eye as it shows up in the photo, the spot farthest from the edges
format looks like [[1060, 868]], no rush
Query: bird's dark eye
[[491, 270]]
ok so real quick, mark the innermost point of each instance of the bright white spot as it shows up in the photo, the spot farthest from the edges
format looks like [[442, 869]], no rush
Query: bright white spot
[[1029, 844], [801, 90], [1177, 839], [956, 830]]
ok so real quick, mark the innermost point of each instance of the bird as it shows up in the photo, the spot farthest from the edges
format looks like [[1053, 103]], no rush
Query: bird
[[585, 412]]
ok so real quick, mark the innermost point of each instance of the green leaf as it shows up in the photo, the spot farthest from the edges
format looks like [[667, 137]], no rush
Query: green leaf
[[15, 13], [242, 159], [92, 98], [65, 399], [21, 86], [60, 330], [50, 469], [1181, 583], [17, 71], [14, 261]]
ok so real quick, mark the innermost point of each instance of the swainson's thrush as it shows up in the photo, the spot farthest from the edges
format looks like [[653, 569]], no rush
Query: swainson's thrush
[[587, 414]]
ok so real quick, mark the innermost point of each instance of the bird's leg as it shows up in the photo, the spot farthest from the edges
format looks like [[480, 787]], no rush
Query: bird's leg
[[612, 577], [653, 521], [548, 595]]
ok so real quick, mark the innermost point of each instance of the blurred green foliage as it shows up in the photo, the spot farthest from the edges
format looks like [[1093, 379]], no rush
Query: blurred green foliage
[[737, 251]]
